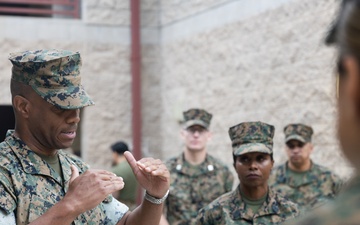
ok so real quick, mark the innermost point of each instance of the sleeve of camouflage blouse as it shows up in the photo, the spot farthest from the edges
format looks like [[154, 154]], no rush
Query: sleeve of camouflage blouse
[[204, 217], [7, 197]]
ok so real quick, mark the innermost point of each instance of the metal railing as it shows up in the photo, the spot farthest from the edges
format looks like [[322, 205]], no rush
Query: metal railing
[[49, 8]]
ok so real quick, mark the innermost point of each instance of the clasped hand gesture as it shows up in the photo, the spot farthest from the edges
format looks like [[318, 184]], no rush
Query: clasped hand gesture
[[87, 190]]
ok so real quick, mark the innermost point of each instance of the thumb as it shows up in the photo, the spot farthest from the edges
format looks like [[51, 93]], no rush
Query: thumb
[[132, 162], [74, 173]]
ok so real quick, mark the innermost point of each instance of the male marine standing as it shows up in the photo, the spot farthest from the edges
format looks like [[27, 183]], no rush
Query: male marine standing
[[196, 177], [42, 184], [300, 179]]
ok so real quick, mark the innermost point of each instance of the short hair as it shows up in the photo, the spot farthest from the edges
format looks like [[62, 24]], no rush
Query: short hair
[[119, 147]]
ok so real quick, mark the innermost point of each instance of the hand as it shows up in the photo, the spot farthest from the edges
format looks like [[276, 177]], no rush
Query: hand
[[151, 174], [88, 190]]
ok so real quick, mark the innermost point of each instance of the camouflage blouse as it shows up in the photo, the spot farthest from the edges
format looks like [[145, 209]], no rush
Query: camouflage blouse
[[344, 210], [318, 185], [230, 209], [193, 187], [29, 186]]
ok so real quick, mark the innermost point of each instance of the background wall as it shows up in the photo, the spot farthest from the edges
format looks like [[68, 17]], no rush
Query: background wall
[[242, 60], [249, 61]]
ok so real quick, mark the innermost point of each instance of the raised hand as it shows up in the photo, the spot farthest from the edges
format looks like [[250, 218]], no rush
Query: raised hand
[[151, 174]]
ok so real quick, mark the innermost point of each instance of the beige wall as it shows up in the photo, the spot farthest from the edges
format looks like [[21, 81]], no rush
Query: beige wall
[[270, 66]]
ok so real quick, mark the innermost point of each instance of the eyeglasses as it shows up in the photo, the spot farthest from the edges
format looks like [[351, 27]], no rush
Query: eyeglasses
[[193, 130]]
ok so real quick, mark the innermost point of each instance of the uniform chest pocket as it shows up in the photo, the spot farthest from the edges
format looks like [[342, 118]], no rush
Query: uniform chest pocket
[[39, 205]]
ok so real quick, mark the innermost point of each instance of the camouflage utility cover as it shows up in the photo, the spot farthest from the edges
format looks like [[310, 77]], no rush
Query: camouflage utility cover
[[29, 186], [53, 74], [344, 210], [193, 187], [230, 209], [252, 137], [317, 187], [197, 117], [300, 132]]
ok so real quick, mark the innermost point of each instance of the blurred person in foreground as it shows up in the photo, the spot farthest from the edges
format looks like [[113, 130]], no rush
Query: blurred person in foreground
[[197, 178], [42, 184], [121, 168], [346, 35], [300, 179], [253, 202]]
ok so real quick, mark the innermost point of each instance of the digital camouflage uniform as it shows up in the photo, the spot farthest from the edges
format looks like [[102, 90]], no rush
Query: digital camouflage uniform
[[192, 187], [319, 184], [29, 186], [231, 208], [344, 210]]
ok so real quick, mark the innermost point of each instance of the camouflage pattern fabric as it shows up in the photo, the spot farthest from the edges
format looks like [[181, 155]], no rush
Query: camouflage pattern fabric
[[192, 187], [231, 209], [298, 132], [252, 137], [53, 74], [344, 210], [197, 117], [29, 186], [318, 186]]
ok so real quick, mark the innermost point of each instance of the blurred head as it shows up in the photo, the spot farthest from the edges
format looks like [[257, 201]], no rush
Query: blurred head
[[345, 33], [196, 137], [252, 144], [118, 150], [298, 145], [195, 133]]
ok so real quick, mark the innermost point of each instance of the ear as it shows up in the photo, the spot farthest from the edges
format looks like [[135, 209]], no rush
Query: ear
[[21, 106], [352, 82], [182, 134], [311, 147], [209, 135]]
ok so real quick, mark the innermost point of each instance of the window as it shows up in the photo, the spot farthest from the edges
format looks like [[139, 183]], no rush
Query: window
[[41, 8]]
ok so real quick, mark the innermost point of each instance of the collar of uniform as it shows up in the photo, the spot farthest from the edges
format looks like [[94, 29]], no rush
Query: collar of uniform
[[308, 178], [31, 162], [238, 210], [182, 166]]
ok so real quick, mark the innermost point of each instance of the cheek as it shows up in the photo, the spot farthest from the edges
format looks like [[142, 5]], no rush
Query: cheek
[[266, 168], [239, 168]]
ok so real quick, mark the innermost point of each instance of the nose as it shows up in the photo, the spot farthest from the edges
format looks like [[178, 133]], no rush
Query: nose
[[73, 116], [253, 165], [296, 149]]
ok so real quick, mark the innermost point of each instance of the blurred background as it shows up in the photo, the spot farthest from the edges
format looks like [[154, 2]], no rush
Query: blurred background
[[145, 62]]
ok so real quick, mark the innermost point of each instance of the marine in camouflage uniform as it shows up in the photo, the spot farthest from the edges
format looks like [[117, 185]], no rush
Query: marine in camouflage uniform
[[250, 139], [194, 186], [310, 188], [345, 33], [39, 182], [29, 186]]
